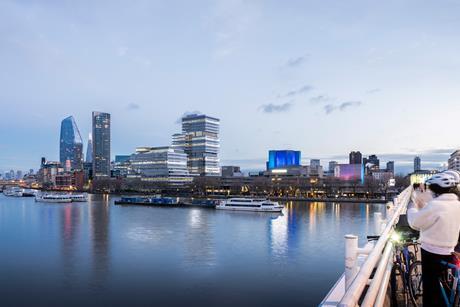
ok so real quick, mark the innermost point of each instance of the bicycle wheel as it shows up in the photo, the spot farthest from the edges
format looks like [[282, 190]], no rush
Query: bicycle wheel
[[415, 283], [399, 293]]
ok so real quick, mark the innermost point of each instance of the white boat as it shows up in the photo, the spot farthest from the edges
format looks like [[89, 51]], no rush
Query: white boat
[[14, 192], [53, 198], [78, 197], [248, 204]]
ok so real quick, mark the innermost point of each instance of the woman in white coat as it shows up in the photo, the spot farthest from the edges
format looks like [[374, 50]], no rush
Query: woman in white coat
[[439, 226]]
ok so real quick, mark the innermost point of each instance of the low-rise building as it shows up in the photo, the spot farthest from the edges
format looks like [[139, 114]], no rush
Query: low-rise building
[[160, 164]]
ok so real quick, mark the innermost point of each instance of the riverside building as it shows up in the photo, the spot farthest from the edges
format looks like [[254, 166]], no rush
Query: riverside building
[[101, 144], [70, 144], [200, 142], [160, 164], [454, 160]]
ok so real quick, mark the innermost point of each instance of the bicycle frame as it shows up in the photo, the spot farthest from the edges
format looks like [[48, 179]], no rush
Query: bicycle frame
[[455, 286]]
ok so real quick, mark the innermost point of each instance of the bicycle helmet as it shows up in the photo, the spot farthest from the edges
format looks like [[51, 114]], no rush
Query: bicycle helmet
[[455, 174], [444, 180]]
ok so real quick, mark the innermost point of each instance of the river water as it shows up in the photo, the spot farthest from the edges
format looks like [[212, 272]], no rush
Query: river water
[[100, 254]]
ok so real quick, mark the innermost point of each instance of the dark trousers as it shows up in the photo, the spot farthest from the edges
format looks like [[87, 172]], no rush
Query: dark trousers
[[432, 270]]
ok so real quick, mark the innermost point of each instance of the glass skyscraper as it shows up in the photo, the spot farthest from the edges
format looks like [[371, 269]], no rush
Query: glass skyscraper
[[200, 141], [101, 144], [71, 145], [89, 150]]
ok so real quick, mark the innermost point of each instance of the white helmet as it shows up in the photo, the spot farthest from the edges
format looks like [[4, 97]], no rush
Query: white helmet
[[444, 180], [455, 174]]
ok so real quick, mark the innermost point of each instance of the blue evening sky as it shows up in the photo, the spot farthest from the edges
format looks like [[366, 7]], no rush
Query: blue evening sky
[[323, 77]]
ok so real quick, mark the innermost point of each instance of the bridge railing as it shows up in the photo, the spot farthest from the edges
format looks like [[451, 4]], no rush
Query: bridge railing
[[361, 262]]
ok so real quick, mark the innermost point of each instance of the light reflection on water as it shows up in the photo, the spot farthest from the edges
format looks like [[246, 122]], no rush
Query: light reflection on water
[[96, 253]]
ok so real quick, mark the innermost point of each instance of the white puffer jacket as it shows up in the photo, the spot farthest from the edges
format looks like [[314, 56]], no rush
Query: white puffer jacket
[[438, 221]]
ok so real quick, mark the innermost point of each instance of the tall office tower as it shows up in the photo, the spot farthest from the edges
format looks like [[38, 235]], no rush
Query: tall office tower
[[101, 144], [71, 144], [89, 150], [372, 159], [200, 141], [315, 163], [391, 166], [417, 164], [356, 157], [332, 165]]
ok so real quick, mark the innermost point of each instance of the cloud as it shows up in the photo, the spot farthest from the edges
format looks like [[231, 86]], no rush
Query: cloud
[[320, 99], [303, 89], [133, 106], [345, 105], [373, 91], [276, 108], [296, 62], [179, 120], [329, 108]]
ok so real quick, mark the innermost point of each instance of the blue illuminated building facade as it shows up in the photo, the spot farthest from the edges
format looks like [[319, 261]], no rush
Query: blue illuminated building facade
[[283, 158]]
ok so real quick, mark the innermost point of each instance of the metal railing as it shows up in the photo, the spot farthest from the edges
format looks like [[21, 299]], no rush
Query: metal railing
[[361, 262]]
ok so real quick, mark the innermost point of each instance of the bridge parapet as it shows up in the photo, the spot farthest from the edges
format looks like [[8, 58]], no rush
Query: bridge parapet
[[350, 289]]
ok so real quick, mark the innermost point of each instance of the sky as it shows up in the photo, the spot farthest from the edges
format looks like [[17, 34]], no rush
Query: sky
[[324, 77]]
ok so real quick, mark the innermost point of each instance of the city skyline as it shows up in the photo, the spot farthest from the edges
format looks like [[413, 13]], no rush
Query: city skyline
[[299, 95]]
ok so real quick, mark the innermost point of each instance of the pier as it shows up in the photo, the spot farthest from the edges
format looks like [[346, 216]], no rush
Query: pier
[[367, 271]]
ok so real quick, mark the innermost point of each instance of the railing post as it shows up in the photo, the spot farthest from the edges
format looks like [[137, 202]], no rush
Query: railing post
[[377, 223], [351, 256]]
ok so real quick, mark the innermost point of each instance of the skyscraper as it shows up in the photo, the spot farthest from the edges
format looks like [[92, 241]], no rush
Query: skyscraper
[[200, 141], [417, 164], [391, 166], [89, 150], [356, 157], [71, 144], [101, 144]]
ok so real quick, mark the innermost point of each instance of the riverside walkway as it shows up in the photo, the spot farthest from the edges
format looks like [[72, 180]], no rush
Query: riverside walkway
[[368, 269]]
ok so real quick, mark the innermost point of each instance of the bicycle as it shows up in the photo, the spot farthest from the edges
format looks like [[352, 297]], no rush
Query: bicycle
[[406, 275], [449, 283]]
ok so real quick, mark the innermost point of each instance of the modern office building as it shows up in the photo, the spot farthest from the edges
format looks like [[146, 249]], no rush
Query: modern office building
[[332, 165], [121, 165], [454, 160], [71, 144], [101, 144], [349, 172], [200, 141], [372, 159], [231, 171], [283, 159], [391, 166], [89, 150], [417, 164], [160, 164], [356, 157]]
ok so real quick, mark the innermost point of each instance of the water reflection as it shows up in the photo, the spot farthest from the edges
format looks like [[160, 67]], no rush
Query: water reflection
[[99, 216], [199, 239], [70, 226]]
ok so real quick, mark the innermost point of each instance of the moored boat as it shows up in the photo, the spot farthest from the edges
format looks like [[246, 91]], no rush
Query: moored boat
[[249, 204], [78, 197], [53, 198], [149, 201]]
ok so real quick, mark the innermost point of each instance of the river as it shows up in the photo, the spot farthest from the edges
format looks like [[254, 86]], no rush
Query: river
[[100, 254]]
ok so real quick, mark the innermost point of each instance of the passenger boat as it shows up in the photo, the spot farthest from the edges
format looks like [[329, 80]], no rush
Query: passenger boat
[[149, 201], [78, 197], [53, 198], [29, 193], [248, 204], [14, 192]]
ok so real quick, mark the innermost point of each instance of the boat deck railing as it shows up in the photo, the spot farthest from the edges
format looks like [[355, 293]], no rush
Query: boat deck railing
[[358, 286]]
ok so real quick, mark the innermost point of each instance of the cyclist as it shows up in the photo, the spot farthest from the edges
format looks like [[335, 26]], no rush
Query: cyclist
[[439, 226]]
